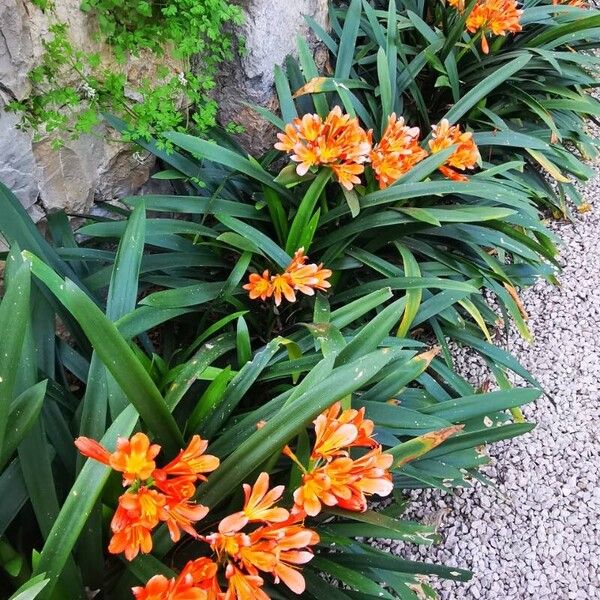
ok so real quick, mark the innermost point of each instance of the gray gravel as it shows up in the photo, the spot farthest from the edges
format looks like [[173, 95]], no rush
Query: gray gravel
[[537, 535]]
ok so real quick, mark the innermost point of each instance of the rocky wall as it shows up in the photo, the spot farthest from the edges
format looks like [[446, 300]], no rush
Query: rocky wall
[[92, 167]]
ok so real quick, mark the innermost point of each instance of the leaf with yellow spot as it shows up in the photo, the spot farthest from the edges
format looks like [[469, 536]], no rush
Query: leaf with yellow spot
[[319, 85], [419, 446], [548, 166]]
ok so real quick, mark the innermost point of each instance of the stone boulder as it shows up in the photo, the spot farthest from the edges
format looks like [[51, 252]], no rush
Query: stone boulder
[[92, 167], [270, 31]]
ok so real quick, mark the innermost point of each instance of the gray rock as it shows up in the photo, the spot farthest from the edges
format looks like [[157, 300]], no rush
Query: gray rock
[[83, 170], [18, 168], [270, 31], [545, 544], [91, 168]]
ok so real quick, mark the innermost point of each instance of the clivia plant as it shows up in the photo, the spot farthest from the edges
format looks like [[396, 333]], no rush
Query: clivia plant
[[248, 363]]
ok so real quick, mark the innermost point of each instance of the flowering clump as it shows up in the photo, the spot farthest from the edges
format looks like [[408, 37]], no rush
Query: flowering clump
[[397, 152], [154, 494], [298, 276], [334, 478], [338, 142], [466, 155], [496, 17], [277, 544]]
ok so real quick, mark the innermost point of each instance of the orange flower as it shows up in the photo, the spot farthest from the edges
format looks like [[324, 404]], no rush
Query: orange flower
[[298, 276], [203, 572], [298, 260], [282, 286], [180, 514], [347, 174], [155, 495], [338, 142], [93, 449], [466, 155], [197, 581], [577, 3], [137, 514], [242, 586], [191, 461], [258, 506], [161, 588], [307, 278], [497, 17], [280, 546], [278, 549], [371, 475], [335, 432], [259, 286], [134, 458], [333, 478], [397, 152], [314, 491], [345, 482], [458, 4]]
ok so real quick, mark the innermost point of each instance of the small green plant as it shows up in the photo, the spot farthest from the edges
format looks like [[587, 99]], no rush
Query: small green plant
[[71, 88]]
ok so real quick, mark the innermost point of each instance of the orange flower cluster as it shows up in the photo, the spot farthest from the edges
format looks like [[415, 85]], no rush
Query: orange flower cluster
[[395, 154], [277, 545], [154, 494], [333, 478], [338, 142], [298, 276], [466, 155], [497, 17]]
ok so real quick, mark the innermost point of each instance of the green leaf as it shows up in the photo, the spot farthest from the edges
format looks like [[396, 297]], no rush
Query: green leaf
[[31, 589], [371, 335], [155, 227], [24, 411], [209, 399], [18, 229], [239, 385], [468, 407], [286, 424], [305, 212], [224, 156], [483, 88], [195, 205], [286, 102], [109, 344], [259, 239], [345, 55], [191, 370], [79, 503], [14, 316], [189, 295], [13, 493], [376, 524], [243, 346], [385, 89], [458, 214], [413, 297], [421, 445]]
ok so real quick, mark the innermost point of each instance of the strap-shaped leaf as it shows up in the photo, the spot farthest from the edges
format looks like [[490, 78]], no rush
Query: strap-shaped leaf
[[14, 316], [24, 411], [110, 344], [280, 429], [79, 503]]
